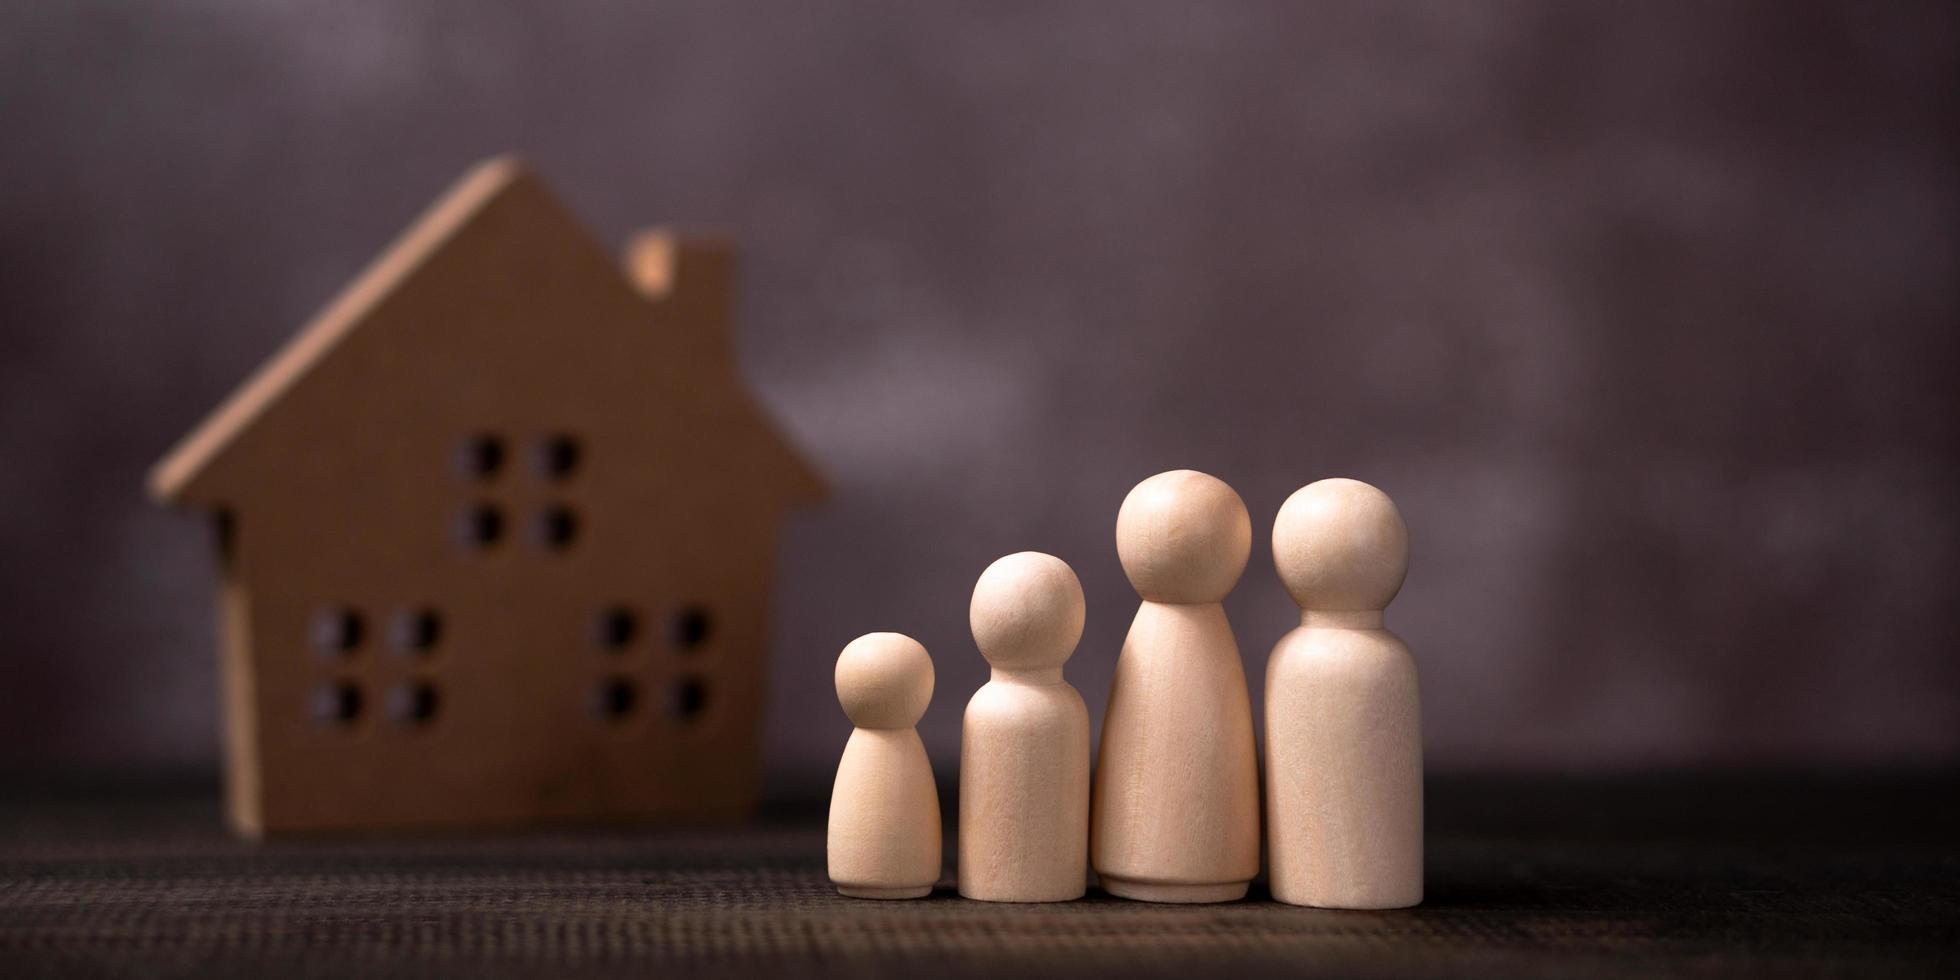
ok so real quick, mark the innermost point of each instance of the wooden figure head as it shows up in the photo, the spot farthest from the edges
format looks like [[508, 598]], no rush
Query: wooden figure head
[[884, 680], [1340, 544], [1027, 612], [1183, 537]]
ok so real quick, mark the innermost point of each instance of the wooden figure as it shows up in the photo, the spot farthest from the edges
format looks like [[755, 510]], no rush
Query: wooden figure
[[1024, 746], [884, 837], [1176, 810], [497, 530], [1343, 720]]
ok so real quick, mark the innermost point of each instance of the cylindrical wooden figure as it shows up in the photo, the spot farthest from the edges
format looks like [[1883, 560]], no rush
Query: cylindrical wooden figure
[[1024, 746], [884, 808], [1176, 809], [1343, 719]]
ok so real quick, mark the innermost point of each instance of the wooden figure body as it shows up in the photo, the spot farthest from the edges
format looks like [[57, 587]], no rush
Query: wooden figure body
[[884, 833], [1176, 808], [1024, 744], [497, 534], [1343, 716]]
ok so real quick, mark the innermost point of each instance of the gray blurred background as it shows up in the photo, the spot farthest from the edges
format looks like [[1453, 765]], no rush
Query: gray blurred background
[[1645, 314]]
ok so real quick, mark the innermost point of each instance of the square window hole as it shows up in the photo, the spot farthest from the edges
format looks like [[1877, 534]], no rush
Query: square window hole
[[415, 630], [413, 703], [557, 456], [337, 703], [480, 527], [481, 456], [687, 699], [691, 628], [556, 527], [337, 631], [615, 698], [615, 628]]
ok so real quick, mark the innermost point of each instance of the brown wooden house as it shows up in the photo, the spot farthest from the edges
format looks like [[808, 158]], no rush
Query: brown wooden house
[[498, 531]]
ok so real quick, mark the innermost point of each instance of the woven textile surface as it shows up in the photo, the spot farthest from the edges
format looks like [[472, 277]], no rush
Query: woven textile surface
[[1697, 876]]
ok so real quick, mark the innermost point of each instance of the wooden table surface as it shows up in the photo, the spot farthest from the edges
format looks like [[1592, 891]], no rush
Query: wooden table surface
[[1704, 875]]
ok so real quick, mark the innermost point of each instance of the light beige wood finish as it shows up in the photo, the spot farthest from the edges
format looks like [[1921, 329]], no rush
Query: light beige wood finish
[[1343, 716], [884, 837], [1024, 745], [1176, 809], [336, 475]]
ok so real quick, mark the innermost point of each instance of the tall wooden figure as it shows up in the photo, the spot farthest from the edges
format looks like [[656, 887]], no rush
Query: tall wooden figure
[[884, 808], [1343, 720], [1024, 747], [1176, 809]]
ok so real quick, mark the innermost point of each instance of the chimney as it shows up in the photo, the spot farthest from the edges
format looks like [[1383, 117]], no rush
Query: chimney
[[691, 277]]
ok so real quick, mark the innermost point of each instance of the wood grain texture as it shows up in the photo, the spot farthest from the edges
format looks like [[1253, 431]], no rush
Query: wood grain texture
[[535, 509], [1176, 807], [1024, 743]]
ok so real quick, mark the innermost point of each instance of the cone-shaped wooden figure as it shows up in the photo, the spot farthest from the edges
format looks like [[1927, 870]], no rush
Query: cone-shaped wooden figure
[[1343, 721], [1176, 809], [884, 808], [1024, 748]]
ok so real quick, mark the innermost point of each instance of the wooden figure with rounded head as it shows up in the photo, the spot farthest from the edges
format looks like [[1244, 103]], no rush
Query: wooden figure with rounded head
[[884, 808], [1343, 719], [1176, 809], [1024, 746]]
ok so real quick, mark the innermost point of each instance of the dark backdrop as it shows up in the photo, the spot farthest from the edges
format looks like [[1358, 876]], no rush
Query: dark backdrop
[[1645, 314]]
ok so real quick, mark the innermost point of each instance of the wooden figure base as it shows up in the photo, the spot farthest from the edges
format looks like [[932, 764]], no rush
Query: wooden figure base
[[1025, 898], [853, 891], [1351, 906], [1156, 891]]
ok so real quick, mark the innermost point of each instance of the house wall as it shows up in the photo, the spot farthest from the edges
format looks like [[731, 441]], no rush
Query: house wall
[[436, 523], [523, 723]]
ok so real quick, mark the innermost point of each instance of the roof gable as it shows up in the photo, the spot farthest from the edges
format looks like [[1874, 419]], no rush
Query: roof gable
[[497, 205]]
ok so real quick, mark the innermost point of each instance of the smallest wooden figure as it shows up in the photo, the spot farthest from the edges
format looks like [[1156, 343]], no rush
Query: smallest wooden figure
[[1343, 721], [1024, 746], [884, 808]]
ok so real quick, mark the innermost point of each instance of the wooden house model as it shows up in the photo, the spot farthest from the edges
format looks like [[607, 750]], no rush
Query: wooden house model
[[497, 533]]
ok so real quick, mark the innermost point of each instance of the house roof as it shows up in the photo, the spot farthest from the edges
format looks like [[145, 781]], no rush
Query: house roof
[[173, 479]]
